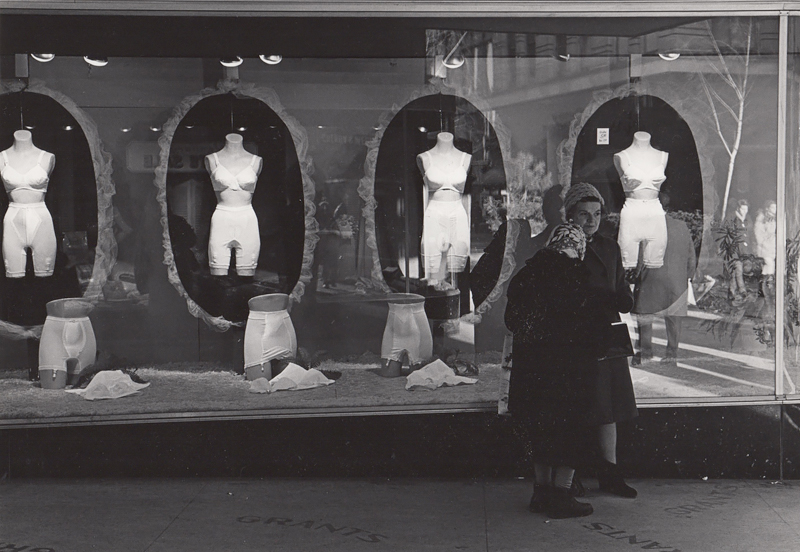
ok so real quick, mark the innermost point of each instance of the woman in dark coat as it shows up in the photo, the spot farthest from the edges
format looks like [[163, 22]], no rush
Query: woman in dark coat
[[614, 398], [554, 321]]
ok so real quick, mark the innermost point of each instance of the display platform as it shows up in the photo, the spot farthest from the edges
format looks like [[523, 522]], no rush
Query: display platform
[[206, 391]]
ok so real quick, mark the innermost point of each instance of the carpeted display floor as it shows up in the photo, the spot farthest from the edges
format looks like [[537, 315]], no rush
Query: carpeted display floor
[[207, 391]]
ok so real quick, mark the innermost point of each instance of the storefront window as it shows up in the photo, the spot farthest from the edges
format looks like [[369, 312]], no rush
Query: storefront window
[[223, 214]]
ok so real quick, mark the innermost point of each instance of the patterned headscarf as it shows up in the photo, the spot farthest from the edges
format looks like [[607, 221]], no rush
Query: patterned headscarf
[[568, 236], [578, 192]]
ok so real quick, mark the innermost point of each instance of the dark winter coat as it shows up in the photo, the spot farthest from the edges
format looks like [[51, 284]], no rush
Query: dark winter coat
[[557, 326], [614, 399]]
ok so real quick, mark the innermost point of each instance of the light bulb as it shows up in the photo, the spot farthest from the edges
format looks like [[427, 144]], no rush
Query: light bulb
[[670, 56], [96, 61], [271, 60], [43, 58], [234, 61]]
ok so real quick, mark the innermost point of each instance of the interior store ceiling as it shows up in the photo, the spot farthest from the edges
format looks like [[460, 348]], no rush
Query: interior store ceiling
[[339, 37]]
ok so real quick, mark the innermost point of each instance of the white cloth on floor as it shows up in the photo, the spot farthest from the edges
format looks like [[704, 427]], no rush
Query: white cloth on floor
[[294, 377], [434, 375], [109, 384]]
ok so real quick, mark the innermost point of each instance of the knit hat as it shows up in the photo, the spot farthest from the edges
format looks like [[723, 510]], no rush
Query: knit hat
[[579, 191], [568, 236]]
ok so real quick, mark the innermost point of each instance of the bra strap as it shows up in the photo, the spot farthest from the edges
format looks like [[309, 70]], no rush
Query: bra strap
[[5, 157]]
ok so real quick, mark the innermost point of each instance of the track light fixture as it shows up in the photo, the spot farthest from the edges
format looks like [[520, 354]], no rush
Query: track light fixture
[[234, 61], [96, 61], [43, 58], [273, 59]]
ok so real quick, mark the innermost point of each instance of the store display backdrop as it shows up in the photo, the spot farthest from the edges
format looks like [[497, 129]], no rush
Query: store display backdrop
[[399, 182], [280, 201], [73, 195]]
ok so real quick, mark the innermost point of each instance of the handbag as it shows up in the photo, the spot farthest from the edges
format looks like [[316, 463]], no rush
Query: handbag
[[619, 342]]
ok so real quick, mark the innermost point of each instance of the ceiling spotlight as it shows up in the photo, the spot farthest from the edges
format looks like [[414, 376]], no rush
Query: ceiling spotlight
[[29, 127], [155, 128], [126, 129], [454, 59], [67, 127], [96, 61], [43, 58], [670, 56], [234, 61], [271, 60], [241, 129], [423, 129]]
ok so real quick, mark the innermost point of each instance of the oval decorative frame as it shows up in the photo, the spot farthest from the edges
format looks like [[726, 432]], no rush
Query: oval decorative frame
[[366, 190], [105, 255], [687, 107], [300, 140]]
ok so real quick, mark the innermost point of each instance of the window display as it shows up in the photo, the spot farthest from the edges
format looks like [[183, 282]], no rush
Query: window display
[[362, 212], [58, 223]]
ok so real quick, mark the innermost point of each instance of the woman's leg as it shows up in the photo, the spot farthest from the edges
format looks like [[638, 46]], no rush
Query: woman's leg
[[541, 487], [561, 503], [609, 476], [608, 442]]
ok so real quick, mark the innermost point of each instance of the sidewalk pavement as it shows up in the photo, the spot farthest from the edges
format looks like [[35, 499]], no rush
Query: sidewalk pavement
[[409, 514]]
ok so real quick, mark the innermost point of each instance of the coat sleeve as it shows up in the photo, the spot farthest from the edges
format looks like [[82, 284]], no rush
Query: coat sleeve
[[515, 307]]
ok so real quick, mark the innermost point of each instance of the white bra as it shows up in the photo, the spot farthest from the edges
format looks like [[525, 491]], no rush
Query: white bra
[[243, 180], [34, 179], [445, 176], [645, 177]]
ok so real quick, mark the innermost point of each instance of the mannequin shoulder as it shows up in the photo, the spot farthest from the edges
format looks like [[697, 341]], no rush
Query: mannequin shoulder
[[423, 160]]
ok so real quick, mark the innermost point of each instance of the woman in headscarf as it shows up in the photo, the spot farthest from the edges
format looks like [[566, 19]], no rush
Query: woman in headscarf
[[554, 320], [614, 398]]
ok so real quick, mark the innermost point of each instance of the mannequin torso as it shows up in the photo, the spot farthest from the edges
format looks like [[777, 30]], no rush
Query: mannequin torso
[[641, 168], [25, 170], [234, 172], [444, 169]]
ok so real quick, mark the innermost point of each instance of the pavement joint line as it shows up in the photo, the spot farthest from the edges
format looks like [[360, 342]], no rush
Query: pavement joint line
[[791, 526], [174, 519]]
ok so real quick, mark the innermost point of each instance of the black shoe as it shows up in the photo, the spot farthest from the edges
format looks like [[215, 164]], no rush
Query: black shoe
[[611, 481], [540, 498], [577, 489], [561, 505]]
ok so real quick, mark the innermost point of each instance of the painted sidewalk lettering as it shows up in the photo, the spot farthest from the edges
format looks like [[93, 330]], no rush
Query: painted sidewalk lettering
[[720, 495], [360, 534], [629, 538]]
